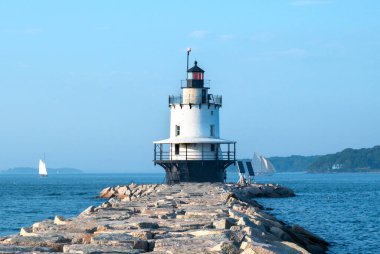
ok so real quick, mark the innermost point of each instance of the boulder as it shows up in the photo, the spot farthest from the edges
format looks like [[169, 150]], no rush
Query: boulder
[[89, 210], [27, 232], [107, 193], [12, 249], [224, 223], [97, 249], [278, 232], [121, 192], [145, 235], [43, 226], [54, 242], [59, 220], [225, 248]]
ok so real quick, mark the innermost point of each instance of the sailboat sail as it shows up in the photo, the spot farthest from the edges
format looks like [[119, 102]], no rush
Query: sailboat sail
[[268, 165], [42, 168], [262, 165]]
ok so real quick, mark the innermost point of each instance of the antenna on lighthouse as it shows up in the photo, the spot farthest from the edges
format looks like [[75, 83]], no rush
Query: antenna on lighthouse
[[187, 66]]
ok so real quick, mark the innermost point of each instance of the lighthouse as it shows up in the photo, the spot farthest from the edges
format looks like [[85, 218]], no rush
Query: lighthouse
[[195, 152]]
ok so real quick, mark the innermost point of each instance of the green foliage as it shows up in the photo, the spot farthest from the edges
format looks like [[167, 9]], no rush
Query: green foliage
[[292, 163], [348, 160]]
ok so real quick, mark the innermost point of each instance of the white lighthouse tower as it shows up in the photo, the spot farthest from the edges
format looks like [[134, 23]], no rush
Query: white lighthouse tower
[[194, 152]]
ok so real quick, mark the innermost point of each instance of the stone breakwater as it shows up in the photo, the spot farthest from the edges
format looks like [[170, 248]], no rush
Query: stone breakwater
[[183, 218]]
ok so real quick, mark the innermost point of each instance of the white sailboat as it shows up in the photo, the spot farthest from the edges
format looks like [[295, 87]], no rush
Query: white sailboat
[[42, 168], [262, 166]]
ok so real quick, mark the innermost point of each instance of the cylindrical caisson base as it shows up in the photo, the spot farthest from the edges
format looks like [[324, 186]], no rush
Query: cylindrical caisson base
[[195, 171]]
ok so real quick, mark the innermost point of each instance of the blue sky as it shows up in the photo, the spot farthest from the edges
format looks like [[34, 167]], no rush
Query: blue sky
[[87, 82]]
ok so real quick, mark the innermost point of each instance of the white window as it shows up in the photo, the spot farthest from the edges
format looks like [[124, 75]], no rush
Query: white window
[[177, 130], [212, 130]]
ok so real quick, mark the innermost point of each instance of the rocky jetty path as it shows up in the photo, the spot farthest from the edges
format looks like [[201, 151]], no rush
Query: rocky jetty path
[[184, 218]]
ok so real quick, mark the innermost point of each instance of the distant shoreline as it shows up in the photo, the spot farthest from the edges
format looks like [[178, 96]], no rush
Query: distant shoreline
[[34, 171]]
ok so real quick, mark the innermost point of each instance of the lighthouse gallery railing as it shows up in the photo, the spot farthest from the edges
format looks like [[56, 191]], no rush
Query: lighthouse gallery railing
[[162, 154], [212, 100]]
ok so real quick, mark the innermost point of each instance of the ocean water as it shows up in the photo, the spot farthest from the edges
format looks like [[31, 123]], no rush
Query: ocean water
[[344, 209], [26, 199]]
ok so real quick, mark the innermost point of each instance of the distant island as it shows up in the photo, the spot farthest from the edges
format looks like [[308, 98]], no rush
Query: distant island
[[348, 160], [34, 171]]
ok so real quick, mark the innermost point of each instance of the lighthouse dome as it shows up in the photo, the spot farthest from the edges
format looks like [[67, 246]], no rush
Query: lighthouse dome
[[195, 68], [195, 76]]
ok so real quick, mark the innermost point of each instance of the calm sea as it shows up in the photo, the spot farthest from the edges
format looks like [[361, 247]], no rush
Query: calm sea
[[342, 208]]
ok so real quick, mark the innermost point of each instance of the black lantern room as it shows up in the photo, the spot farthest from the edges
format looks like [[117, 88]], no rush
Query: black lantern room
[[195, 77]]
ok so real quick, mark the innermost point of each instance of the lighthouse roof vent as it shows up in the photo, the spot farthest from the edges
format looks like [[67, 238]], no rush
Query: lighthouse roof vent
[[195, 68]]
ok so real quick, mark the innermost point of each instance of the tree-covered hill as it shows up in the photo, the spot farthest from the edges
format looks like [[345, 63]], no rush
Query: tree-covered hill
[[348, 160], [292, 163]]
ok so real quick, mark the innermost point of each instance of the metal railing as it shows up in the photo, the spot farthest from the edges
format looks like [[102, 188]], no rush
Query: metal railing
[[212, 99], [167, 156], [206, 83], [169, 153]]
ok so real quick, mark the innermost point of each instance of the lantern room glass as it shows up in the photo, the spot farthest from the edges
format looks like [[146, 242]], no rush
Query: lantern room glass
[[195, 75]]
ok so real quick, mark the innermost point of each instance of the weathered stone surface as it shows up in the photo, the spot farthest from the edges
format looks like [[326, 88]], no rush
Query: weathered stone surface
[[185, 218], [145, 235], [146, 225], [107, 192], [14, 249], [224, 223], [27, 232], [225, 248], [98, 249], [53, 242], [59, 220], [88, 210]]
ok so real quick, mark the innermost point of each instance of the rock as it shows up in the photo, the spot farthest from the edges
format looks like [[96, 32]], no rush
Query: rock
[[314, 238], [237, 236], [43, 226], [88, 210], [106, 205], [158, 211], [27, 232], [23, 249], [196, 214], [127, 198], [97, 249], [206, 232], [295, 247], [53, 242], [244, 221], [145, 235], [248, 251], [102, 228], [107, 193], [151, 244], [121, 192], [224, 223], [146, 225], [116, 239], [182, 218], [59, 220], [280, 234], [225, 248]]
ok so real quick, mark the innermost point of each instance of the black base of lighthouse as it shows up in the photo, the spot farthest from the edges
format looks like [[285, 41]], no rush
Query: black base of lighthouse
[[195, 171]]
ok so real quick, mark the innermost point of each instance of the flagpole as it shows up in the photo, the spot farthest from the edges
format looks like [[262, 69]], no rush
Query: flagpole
[[187, 66]]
